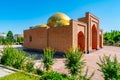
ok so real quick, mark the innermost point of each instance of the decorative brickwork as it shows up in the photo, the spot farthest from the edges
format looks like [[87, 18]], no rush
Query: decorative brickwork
[[84, 33]]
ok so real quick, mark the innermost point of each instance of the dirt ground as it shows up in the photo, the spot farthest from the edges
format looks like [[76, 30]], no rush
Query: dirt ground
[[90, 60]]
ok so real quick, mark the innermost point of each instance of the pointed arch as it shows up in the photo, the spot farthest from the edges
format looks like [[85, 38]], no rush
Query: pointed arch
[[100, 41], [81, 40], [94, 37]]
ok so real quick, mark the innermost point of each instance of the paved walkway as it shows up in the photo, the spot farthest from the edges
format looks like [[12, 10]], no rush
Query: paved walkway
[[4, 71], [90, 59]]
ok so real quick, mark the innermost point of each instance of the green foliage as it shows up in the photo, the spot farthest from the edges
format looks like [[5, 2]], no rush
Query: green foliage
[[20, 76], [20, 39], [85, 76], [74, 62], [1, 41], [30, 66], [110, 68], [47, 58], [56, 76], [9, 40], [39, 71], [6, 41], [112, 38], [13, 57], [69, 78], [51, 76], [10, 36]]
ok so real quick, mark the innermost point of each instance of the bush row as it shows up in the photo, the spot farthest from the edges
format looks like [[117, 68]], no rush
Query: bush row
[[112, 38], [74, 62]]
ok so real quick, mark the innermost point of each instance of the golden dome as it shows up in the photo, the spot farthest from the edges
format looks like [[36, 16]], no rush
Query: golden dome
[[58, 19], [41, 25]]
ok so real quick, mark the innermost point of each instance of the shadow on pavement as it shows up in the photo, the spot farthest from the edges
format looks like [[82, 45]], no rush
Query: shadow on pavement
[[38, 53]]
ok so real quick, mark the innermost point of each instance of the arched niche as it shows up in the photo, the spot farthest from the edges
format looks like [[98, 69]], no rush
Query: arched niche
[[81, 41], [100, 41], [94, 37]]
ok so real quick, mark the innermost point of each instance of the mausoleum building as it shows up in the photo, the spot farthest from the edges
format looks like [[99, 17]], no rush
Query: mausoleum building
[[62, 33]]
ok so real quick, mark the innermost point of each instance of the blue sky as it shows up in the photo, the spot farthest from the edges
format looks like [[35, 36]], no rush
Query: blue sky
[[18, 15]]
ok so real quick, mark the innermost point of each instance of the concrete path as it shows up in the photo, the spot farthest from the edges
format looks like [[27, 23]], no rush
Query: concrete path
[[15, 46], [4, 71]]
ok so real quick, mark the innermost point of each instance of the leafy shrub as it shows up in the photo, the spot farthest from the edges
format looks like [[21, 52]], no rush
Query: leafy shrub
[[13, 57], [1, 41], [56, 76], [30, 66], [39, 71], [47, 58], [51, 76], [6, 41], [117, 43], [20, 39], [74, 62], [66, 77], [110, 68], [112, 38], [71, 78]]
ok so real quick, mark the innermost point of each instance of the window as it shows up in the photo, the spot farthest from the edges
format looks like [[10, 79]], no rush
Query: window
[[30, 38]]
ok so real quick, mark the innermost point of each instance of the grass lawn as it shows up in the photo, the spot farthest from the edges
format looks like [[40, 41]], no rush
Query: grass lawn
[[20, 76]]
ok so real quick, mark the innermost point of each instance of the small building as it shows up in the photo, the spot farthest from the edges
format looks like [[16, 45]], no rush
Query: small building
[[3, 35], [62, 33]]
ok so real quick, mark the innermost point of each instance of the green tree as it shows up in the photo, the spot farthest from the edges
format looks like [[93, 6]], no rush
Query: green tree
[[10, 36], [6, 41], [20, 39], [112, 38]]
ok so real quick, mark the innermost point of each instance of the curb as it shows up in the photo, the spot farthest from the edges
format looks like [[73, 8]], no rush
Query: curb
[[10, 68]]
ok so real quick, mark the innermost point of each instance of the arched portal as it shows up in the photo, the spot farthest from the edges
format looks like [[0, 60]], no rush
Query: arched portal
[[94, 37], [81, 40], [100, 41]]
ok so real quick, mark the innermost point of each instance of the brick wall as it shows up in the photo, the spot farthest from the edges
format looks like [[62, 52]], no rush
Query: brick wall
[[60, 38], [39, 38]]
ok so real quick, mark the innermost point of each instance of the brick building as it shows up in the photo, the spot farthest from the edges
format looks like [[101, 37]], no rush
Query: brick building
[[62, 33]]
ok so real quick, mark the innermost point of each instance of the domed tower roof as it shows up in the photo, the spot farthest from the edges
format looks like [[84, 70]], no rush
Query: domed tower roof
[[41, 25], [58, 19]]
